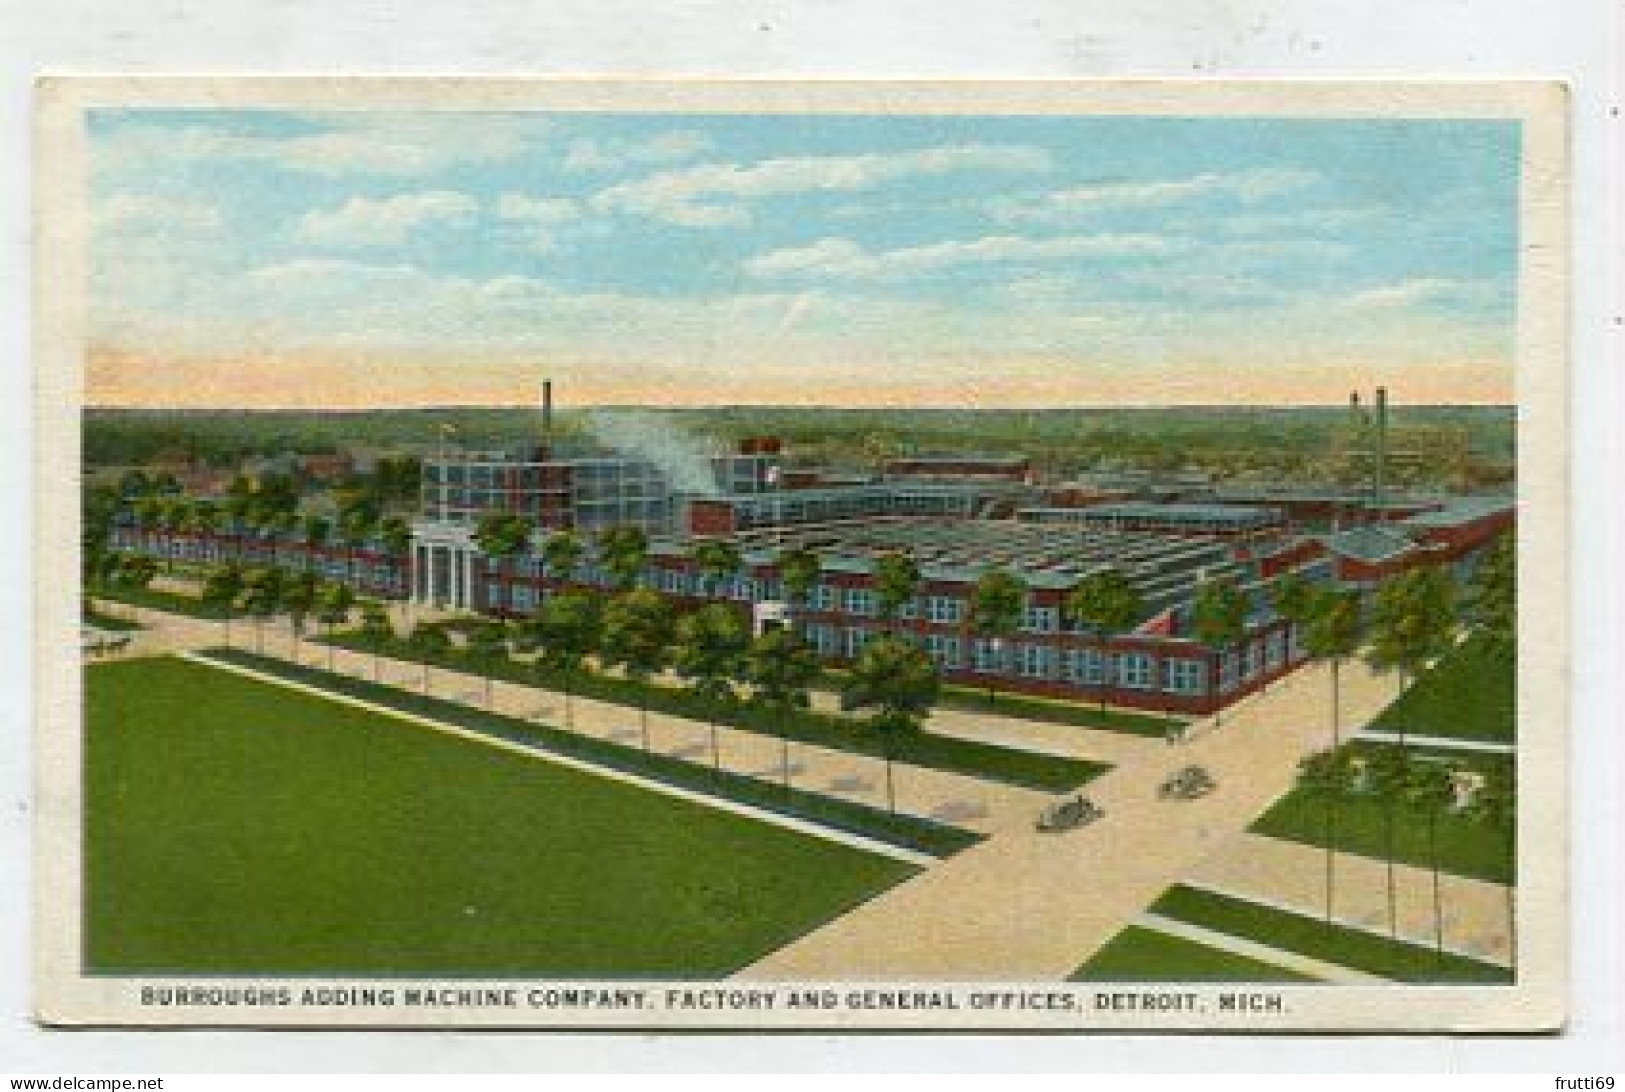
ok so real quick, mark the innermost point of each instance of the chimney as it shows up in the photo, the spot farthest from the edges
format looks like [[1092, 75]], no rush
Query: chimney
[[547, 411]]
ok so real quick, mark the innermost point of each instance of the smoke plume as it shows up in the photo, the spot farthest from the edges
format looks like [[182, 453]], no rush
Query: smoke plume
[[683, 458]]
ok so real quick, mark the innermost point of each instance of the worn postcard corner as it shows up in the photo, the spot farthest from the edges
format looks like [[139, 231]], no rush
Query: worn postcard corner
[[1026, 556]]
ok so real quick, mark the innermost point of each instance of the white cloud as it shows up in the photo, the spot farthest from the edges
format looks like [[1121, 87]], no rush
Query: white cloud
[[845, 258], [1059, 206], [602, 155], [543, 211], [708, 195], [364, 142], [1420, 291], [126, 213], [384, 221]]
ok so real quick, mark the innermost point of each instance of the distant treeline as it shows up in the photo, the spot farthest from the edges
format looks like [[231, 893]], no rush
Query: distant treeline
[[1289, 441]]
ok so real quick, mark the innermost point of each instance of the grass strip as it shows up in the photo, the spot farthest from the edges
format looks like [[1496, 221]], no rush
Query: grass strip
[[990, 762], [909, 832], [1138, 954], [154, 599], [1313, 937]]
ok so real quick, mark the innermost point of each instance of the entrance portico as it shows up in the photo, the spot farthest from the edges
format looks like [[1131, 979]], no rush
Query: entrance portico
[[443, 569]]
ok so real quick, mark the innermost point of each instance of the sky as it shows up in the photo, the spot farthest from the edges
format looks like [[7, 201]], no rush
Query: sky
[[277, 258]]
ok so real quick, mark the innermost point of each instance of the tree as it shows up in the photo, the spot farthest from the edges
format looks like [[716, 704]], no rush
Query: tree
[[900, 683], [1413, 621], [333, 605], [781, 669], [996, 606], [896, 581], [1105, 601], [798, 573], [716, 560], [1495, 805], [138, 571], [709, 655], [396, 539], [567, 626], [1388, 775], [561, 554], [1292, 596], [1218, 621], [487, 648], [1492, 597], [1334, 632], [1324, 777], [375, 628], [622, 551], [317, 530], [502, 536], [358, 521], [298, 599], [1428, 791], [262, 595], [637, 639], [221, 589], [430, 642]]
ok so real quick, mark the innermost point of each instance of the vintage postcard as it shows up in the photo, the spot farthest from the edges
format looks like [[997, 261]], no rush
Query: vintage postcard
[[825, 555]]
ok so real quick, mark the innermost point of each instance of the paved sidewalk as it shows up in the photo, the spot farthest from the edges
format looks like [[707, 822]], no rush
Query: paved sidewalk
[[1442, 743], [1026, 905]]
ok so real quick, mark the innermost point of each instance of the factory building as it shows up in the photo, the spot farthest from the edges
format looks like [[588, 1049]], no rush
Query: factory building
[[957, 518]]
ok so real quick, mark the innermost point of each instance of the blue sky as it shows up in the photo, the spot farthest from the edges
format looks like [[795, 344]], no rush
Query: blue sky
[[1011, 260]]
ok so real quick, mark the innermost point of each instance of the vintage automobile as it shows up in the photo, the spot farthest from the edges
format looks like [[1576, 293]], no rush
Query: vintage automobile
[[1188, 784], [1069, 814]]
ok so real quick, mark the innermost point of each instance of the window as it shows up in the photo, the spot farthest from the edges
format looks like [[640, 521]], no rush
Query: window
[[1134, 671], [1229, 669], [1183, 676], [1275, 649], [987, 656], [860, 601], [944, 609], [1040, 619], [493, 593], [524, 597], [823, 597], [1254, 659], [821, 636], [855, 640], [1086, 665], [1034, 660], [944, 650], [749, 590]]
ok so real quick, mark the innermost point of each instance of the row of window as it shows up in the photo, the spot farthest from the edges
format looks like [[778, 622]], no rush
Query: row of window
[[1086, 667]]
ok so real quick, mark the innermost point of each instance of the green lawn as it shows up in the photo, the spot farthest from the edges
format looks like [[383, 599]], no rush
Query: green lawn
[[1378, 955], [1470, 694], [1076, 714], [900, 829], [1145, 955], [174, 602], [1359, 826], [1046, 773], [234, 826]]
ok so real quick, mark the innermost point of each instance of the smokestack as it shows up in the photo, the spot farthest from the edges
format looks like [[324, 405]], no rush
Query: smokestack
[[547, 411], [1382, 449]]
